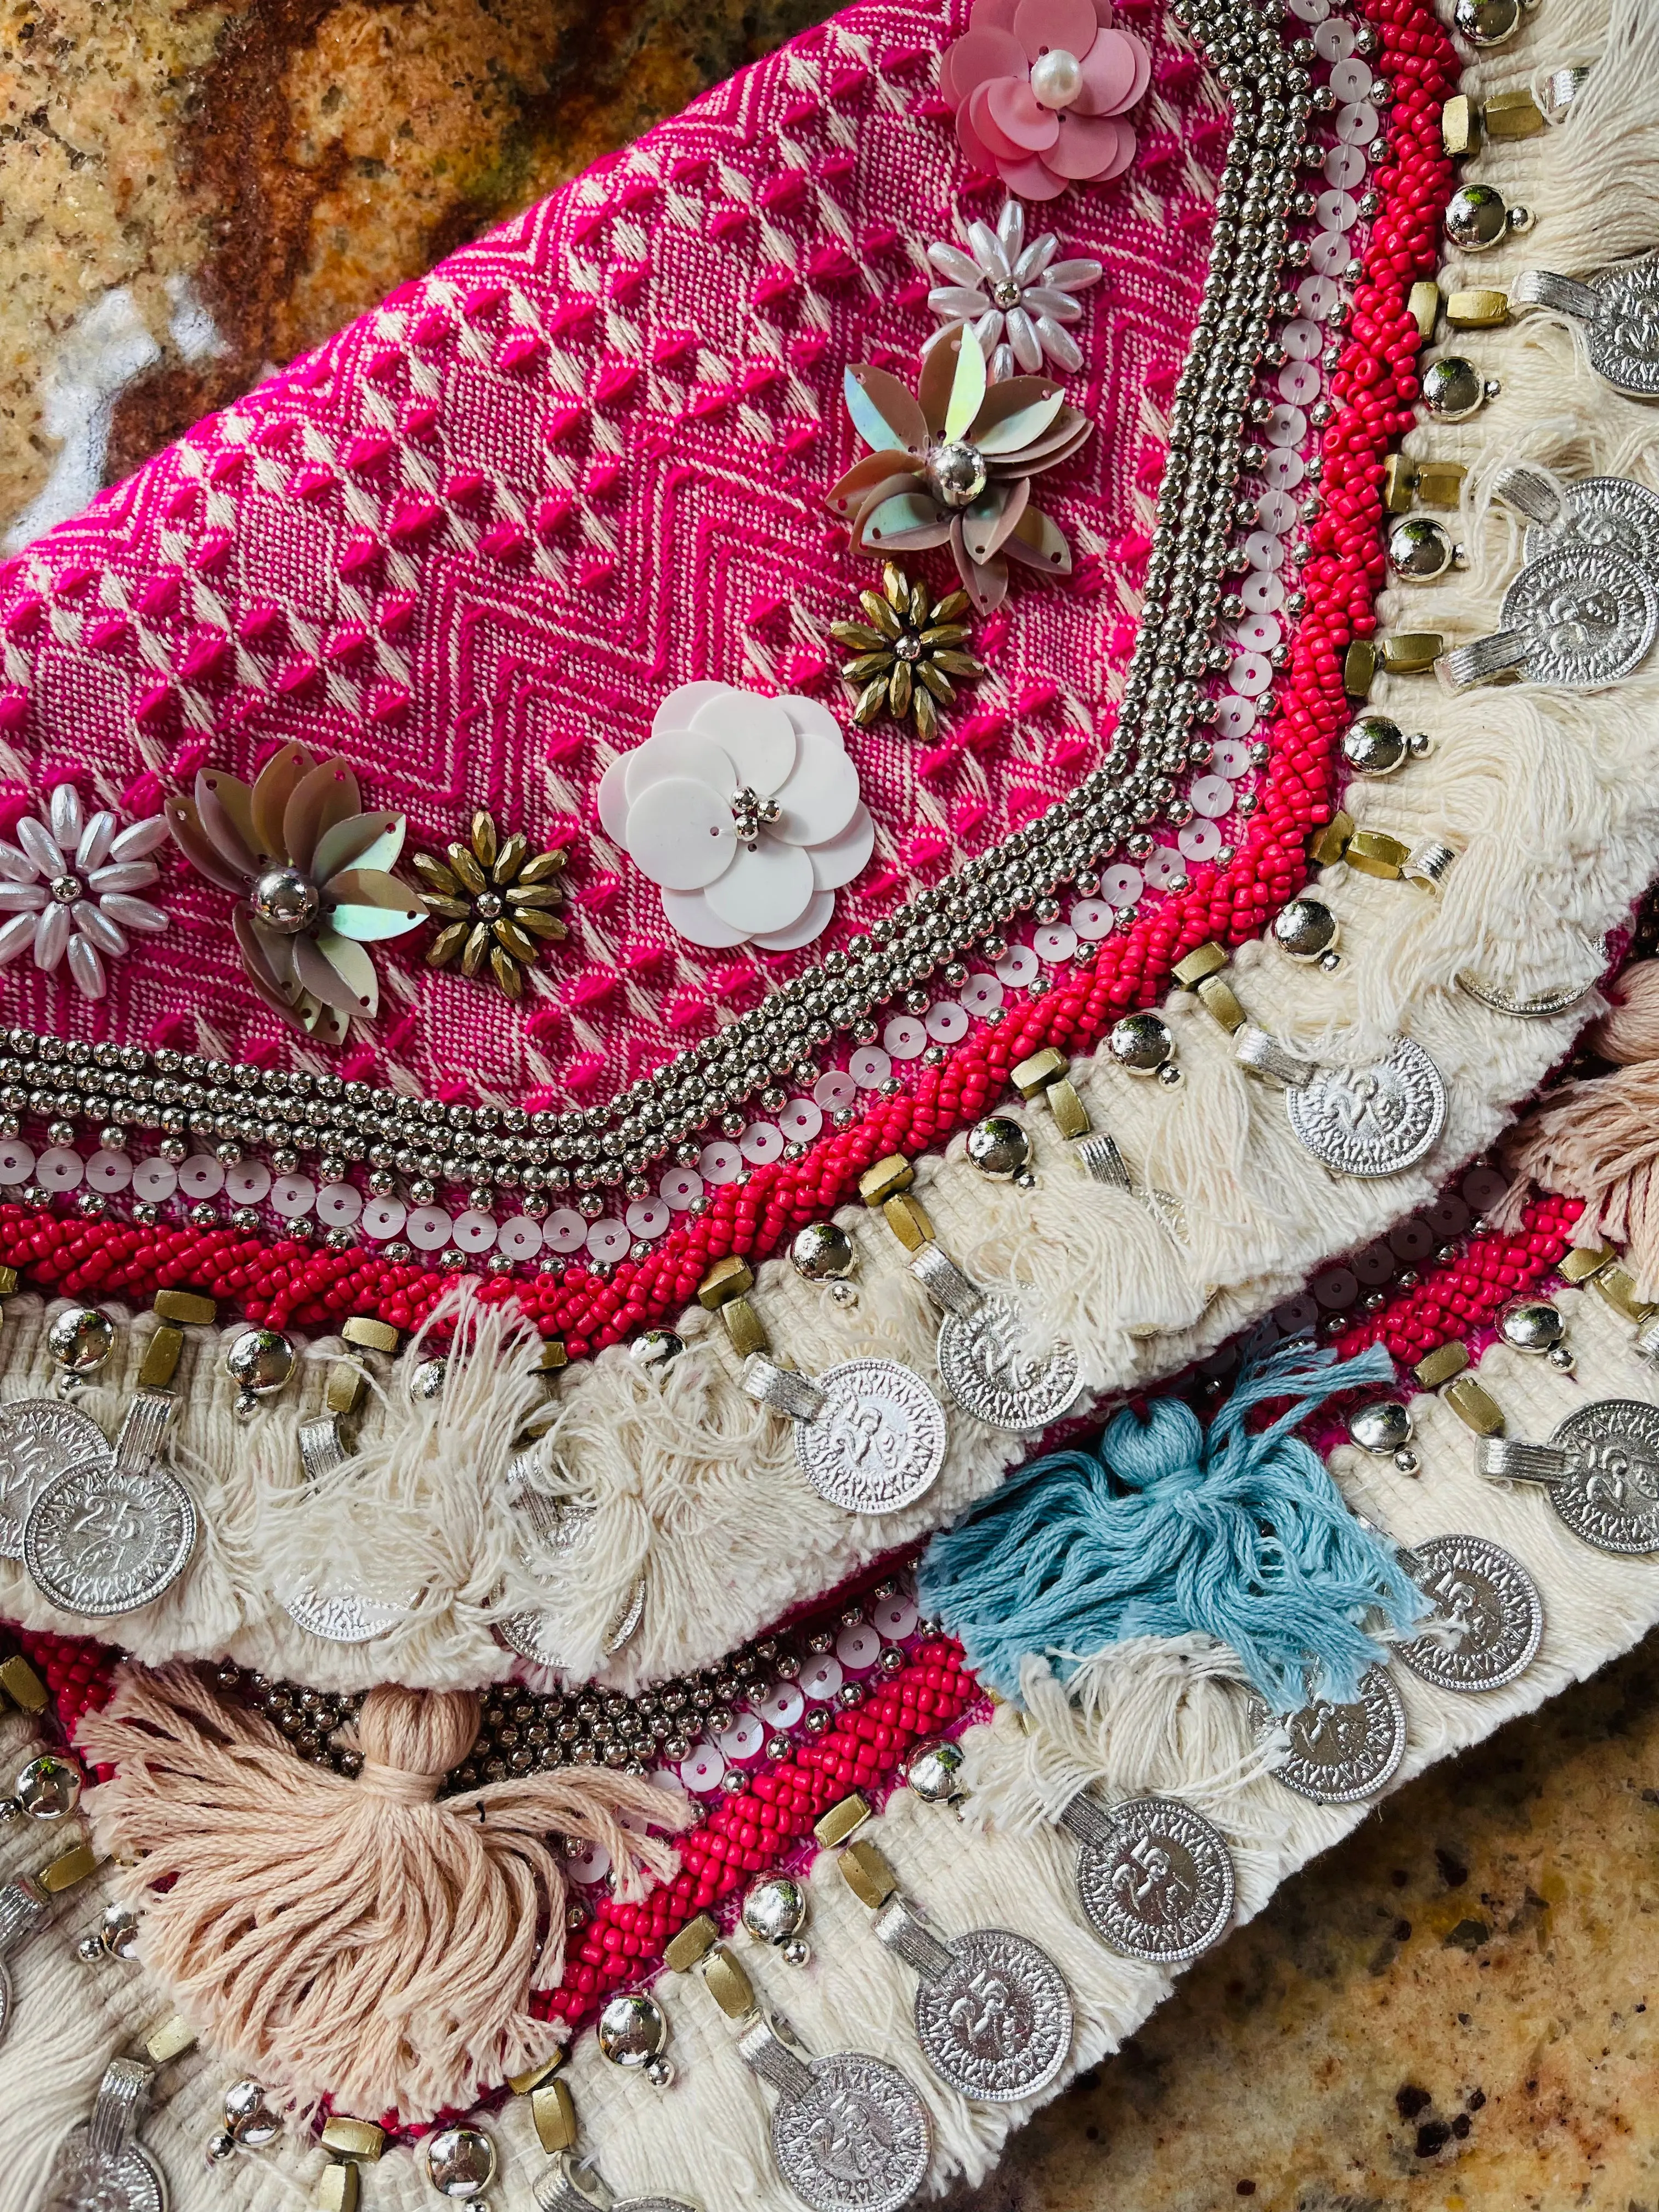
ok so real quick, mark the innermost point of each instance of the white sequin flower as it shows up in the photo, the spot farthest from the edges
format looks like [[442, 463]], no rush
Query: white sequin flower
[[744, 812], [1016, 296], [67, 887]]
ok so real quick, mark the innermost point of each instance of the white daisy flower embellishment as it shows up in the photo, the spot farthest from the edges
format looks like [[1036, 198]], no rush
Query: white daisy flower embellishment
[[1017, 297], [69, 889], [744, 812]]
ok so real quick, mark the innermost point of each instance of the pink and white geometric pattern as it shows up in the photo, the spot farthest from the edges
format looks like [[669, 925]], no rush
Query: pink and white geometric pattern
[[473, 542]]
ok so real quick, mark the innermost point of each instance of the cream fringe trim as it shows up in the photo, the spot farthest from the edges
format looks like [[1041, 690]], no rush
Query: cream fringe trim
[[705, 2138], [1555, 801]]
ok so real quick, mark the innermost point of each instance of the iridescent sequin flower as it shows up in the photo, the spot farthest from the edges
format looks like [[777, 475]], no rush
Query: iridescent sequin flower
[[69, 885], [906, 653], [494, 900], [1038, 87], [953, 465], [312, 872], [1015, 296]]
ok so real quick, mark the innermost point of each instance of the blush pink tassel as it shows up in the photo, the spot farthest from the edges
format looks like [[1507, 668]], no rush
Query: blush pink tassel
[[362, 1940], [1598, 1140]]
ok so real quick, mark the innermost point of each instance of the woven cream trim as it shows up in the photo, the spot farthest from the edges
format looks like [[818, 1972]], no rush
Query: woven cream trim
[[705, 2138]]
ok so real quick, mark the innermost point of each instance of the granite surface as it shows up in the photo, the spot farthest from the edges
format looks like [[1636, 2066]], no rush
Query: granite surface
[[1452, 2009]]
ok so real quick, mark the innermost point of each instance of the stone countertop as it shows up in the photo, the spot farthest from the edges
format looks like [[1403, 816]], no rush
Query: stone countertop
[[194, 190], [1451, 2010]]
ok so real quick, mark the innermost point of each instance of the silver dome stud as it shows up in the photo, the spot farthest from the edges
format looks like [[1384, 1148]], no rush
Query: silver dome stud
[[460, 2162], [999, 1146], [47, 1788], [80, 1339], [1385, 1429], [250, 2121], [822, 1253], [1536, 1327], [1144, 1044], [774, 1912], [934, 1771], [261, 1361], [633, 2033]]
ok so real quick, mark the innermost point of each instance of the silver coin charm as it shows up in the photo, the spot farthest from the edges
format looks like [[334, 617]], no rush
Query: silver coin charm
[[879, 1442], [337, 1616], [856, 2139], [1342, 1752], [85, 2177], [1155, 1879], [987, 1365], [39, 1438], [1621, 310], [997, 2023], [1488, 1596], [1609, 1494], [1588, 617], [1374, 1121], [1602, 513], [534, 1636], [105, 1540]]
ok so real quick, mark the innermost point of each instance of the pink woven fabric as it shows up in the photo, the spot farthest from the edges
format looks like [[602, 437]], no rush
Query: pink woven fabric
[[473, 541]]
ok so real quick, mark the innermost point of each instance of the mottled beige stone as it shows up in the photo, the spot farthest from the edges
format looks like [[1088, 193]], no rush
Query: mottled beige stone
[[294, 160], [1457, 2011]]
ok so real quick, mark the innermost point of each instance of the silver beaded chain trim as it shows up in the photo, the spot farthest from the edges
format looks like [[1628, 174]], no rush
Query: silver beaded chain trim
[[486, 1148]]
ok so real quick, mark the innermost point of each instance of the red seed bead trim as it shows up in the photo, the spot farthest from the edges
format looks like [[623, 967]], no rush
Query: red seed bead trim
[[1463, 1296], [1377, 385], [755, 1829]]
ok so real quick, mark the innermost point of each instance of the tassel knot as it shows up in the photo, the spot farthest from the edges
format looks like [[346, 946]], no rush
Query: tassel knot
[[368, 1939], [1171, 1530]]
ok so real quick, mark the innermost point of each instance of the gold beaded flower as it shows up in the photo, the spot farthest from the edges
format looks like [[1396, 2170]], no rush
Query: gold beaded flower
[[906, 653], [493, 899]]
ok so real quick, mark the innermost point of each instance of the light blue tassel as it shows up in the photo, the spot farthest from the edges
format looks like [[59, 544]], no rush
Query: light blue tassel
[[1171, 1529]]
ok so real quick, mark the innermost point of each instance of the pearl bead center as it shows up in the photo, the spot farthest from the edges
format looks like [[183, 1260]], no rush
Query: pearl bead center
[[1056, 78]]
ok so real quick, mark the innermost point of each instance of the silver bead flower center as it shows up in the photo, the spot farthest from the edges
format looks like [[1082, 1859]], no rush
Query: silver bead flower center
[[66, 889], [955, 474], [286, 900], [1005, 292], [750, 813]]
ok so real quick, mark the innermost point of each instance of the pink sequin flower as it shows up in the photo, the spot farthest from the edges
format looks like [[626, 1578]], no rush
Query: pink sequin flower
[[1038, 87]]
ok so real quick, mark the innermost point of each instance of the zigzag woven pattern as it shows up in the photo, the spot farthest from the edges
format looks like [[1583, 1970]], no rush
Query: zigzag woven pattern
[[472, 542]]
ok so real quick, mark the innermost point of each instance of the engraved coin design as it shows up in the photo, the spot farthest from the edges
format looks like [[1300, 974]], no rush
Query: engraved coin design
[[1610, 512], [1588, 616], [39, 1438], [1340, 1754], [1375, 1120], [341, 1616], [1162, 1886], [998, 2025], [84, 2178], [857, 2140], [1610, 1493], [987, 1364], [105, 1540], [880, 1443], [1624, 339], [534, 1636], [1492, 1601]]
